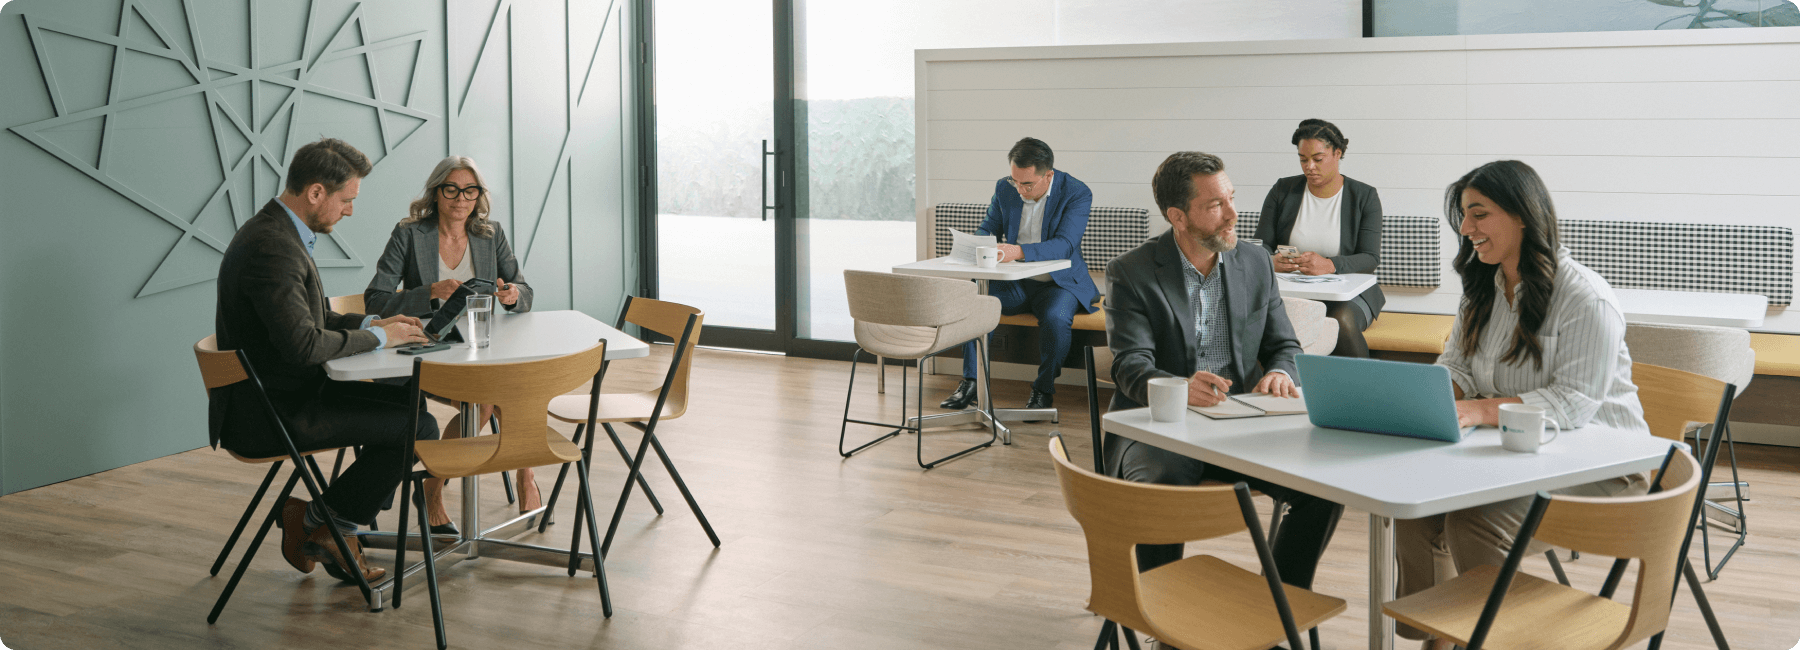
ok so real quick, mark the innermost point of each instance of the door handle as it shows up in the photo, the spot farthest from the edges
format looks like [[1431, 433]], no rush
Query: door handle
[[766, 153]]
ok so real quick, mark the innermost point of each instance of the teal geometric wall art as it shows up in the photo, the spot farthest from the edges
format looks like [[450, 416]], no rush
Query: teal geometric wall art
[[252, 111]]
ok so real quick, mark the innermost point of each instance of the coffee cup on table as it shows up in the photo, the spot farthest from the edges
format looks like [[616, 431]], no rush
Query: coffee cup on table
[[1522, 428], [1168, 399], [987, 257]]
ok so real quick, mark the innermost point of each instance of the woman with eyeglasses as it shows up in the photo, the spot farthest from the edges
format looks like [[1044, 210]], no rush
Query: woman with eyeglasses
[[445, 240]]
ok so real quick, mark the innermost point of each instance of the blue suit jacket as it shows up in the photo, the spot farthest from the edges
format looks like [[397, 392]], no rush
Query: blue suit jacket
[[1065, 219]]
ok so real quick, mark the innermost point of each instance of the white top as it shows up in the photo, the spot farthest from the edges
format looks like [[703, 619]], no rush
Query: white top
[[1031, 217], [516, 337], [1394, 476], [1318, 227], [1586, 374], [1348, 285], [463, 272], [1693, 307], [946, 267]]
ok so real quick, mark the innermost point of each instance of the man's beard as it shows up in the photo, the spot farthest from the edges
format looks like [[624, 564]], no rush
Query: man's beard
[[1219, 241]]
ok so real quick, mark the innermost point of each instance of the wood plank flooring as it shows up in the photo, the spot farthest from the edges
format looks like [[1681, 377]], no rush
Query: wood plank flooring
[[819, 552]]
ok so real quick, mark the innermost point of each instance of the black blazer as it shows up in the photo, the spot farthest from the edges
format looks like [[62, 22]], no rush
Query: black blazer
[[411, 262], [273, 307], [1360, 216], [1150, 324]]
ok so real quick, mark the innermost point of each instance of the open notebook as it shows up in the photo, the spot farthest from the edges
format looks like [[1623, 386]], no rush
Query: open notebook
[[1252, 405]]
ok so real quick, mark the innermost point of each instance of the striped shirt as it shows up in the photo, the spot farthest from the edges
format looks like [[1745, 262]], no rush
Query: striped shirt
[[1586, 375], [1212, 320]]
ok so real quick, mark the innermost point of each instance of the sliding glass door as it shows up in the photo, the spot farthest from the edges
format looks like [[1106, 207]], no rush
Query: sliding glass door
[[714, 104]]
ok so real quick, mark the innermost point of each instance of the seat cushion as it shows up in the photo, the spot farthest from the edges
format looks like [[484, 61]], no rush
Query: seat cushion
[[1776, 354], [895, 341], [1399, 332], [1093, 322]]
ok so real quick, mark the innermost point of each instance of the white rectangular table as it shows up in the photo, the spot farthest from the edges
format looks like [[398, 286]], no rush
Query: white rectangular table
[[1350, 286], [943, 267], [1392, 477], [1693, 307], [529, 336]]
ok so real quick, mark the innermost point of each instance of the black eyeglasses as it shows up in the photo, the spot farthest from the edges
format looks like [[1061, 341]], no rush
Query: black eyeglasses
[[471, 192]]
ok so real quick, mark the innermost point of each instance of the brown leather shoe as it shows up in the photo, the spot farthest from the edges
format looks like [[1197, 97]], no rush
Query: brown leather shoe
[[293, 534], [322, 547]]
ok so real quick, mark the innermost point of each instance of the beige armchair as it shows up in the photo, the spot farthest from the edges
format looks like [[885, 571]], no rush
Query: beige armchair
[[913, 318], [1317, 334]]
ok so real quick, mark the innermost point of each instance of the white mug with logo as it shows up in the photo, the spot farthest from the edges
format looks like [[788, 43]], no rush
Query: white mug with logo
[[1522, 428], [987, 257], [1168, 399]]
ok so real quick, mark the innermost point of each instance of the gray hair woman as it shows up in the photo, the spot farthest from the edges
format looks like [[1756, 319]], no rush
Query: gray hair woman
[[445, 240]]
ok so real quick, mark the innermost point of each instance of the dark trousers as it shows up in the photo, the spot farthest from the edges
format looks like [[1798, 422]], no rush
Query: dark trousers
[[338, 414], [1304, 533], [1352, 317], [1054, 308]]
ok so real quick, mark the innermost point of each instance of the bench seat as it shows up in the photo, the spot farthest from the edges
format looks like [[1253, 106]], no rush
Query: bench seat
[[1401, 332], [1776, 354], [1093, 322]]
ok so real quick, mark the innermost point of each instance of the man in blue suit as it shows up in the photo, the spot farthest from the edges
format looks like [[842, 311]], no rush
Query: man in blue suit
[[1037, 214]]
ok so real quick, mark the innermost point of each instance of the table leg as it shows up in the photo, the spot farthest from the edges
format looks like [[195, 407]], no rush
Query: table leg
[[1381, 581], [471, 495]]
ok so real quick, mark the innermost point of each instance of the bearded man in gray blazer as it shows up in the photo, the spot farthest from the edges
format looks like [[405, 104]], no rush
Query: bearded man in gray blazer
[[1195, 304], [273, 307]]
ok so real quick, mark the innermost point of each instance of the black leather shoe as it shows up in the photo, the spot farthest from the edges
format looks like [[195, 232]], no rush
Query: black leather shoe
[[1040, 400], [961, 398], [445, 530]]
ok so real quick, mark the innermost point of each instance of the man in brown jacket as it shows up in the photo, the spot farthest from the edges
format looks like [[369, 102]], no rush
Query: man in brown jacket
[[273, 307]]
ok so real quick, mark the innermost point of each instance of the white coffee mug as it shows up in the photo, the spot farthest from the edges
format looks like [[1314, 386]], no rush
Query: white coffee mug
[[1522, 428], [987, 257], [1168, 399]]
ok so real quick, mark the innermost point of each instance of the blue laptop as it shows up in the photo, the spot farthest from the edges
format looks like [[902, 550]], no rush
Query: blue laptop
[[1398, 399]]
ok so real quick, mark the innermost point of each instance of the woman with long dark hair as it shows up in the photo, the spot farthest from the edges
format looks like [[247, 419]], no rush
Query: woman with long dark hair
[[1534, 327], [1333, 222]]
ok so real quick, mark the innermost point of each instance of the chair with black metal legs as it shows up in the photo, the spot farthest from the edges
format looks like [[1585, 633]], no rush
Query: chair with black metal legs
[[1723, 354], [1197, 603], [913, 318], [222, 368], [642, 410], [523, 392], [1502, 607]]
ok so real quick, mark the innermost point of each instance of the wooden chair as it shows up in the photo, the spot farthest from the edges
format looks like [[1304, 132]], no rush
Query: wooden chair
[[643, 410], [523, 392], [1198, 603], [1507, 609], [222, 368]]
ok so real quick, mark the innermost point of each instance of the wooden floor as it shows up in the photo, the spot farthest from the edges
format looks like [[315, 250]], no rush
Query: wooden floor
[[819, 552]]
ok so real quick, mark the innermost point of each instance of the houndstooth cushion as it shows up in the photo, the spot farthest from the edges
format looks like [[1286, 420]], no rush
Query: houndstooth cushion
[[1110, 231], [1409, 248], [1686, 256]]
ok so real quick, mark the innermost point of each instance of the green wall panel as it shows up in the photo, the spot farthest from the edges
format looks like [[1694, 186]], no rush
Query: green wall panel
[[138, 134]]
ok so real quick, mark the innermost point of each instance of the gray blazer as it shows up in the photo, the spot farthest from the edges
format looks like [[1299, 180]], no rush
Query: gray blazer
[[273, 307], [411, 263], [1359, 237], [1150, 324]]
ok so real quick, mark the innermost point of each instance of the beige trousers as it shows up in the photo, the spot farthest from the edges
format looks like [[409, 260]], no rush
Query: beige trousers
[[1437, 548]]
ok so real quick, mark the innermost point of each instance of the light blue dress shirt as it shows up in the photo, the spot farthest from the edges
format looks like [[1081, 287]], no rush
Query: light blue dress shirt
[[308, 237]]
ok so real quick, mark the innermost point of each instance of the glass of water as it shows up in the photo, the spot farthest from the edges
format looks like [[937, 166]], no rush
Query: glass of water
[[480, 320]]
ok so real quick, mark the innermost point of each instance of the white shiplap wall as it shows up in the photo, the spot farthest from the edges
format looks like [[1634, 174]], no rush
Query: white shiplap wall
[[1677, 126]]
